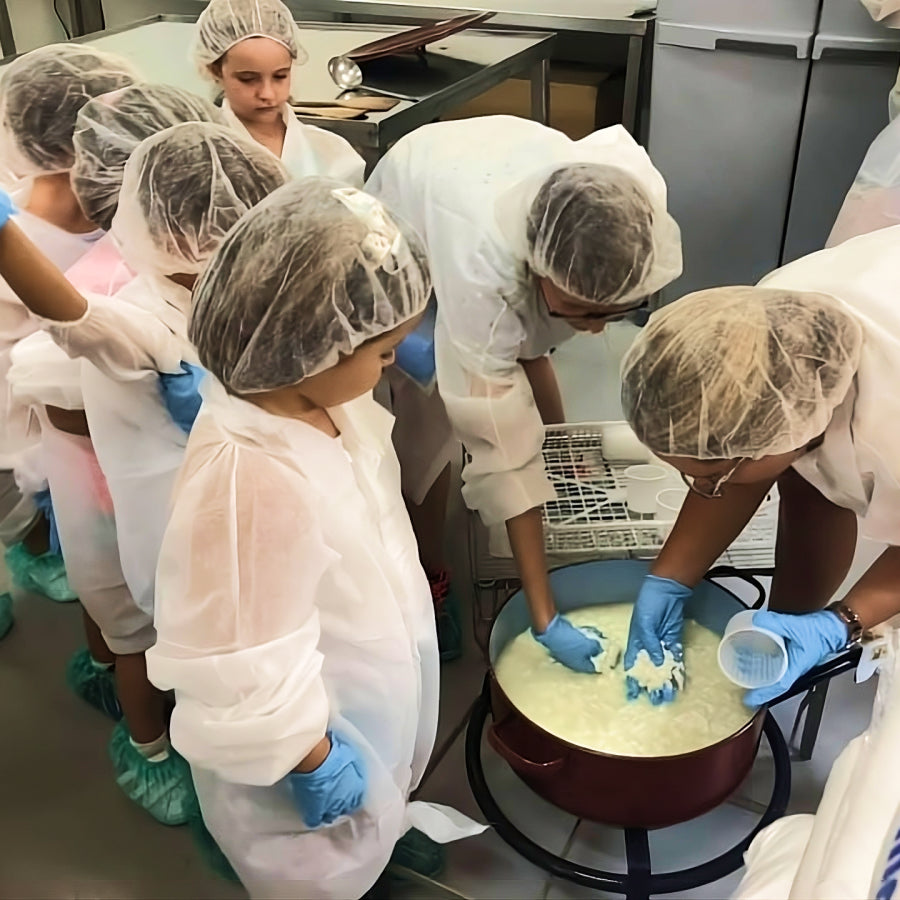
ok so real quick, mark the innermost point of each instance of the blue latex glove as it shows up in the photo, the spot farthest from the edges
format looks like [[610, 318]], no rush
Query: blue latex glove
[[810, 639], [573, 647], [7, 207], [333, 790], [415, 353], [181, 394], [657, 622], [43, 502]]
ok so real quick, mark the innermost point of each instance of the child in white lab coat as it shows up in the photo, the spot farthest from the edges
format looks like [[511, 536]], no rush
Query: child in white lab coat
[[250, 49], [294, 620], [40, 97], [181, 191]]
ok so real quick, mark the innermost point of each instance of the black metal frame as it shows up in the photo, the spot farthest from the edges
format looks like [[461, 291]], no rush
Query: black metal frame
[[638, 882]]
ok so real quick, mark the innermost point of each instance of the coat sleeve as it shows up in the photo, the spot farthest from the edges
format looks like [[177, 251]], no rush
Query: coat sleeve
[[242, 571], [490, 405], [122, 340]]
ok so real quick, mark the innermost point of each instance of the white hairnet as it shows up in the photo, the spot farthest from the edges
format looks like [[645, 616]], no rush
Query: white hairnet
[[739, 372], [111, 126], [40, 96], [183, 189], [595, 233], [225, 23], [311, 273]]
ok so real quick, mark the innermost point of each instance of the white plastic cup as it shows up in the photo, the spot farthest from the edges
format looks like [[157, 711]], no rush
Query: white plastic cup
[[749, 656], [669, 502], [642, 484]]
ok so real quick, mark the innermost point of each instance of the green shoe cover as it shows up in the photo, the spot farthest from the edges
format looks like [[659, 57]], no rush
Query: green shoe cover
[[420, 853], [94, 685], [165, 789], [44, 574], [6, 614]]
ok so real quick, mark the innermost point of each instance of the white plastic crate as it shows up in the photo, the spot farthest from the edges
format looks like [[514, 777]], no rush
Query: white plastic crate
[[589, 520], [589, 517]]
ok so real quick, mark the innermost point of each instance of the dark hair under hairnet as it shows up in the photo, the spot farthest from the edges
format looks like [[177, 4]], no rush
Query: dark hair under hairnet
[[308, 275], [41, 94], [184, 189], [591, 232], [739, 372], [111, 126]]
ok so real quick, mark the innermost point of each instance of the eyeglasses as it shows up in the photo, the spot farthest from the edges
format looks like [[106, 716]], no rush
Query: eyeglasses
[[596, 317], [617, 316], [717, 483]]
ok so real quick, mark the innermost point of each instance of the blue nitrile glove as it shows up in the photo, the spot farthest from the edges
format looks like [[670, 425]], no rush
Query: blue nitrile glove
[[333, 790], [7, 207], [43, 502], [657, 622], [181, 394], [810, 639], [415, 353], [574, 647]]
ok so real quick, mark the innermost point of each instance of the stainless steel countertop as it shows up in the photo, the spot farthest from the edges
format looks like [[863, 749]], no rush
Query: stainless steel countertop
[[453, 71]]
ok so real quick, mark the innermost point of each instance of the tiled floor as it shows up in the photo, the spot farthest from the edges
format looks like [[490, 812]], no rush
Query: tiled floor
[[67, 832]]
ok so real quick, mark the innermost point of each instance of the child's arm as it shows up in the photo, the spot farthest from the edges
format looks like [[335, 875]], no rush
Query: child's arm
[[119, 340], [35, 280]]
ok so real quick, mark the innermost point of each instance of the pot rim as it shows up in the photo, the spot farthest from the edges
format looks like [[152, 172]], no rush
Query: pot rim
[[750, 723]]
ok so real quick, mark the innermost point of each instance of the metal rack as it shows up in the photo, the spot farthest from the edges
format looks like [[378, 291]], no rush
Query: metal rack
[[589, 520]]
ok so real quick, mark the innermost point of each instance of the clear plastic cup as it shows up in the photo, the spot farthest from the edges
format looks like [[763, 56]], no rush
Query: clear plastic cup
[[751, 657], [668, 503], [642, 484]]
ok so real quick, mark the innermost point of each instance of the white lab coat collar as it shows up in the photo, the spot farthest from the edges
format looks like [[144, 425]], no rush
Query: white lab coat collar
[[365, 427]]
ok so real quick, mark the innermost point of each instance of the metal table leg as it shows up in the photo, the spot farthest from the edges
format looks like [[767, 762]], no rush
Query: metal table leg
[[7, 41], [638, 882], [540, 92], [632, 81], [813, 704]]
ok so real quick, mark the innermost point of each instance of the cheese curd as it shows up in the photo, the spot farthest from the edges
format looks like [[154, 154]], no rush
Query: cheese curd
[[593, 711]]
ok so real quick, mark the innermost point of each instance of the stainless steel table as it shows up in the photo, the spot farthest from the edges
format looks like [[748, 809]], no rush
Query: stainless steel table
[[630, 18], [453, 71]]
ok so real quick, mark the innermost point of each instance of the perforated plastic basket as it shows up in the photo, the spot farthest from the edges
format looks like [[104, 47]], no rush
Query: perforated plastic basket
[[589, 517]]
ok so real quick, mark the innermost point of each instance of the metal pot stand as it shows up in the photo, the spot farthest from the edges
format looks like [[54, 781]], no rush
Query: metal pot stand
[[638, 881]]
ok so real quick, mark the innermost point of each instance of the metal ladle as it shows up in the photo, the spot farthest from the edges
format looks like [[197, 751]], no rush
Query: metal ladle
[[348, 76]]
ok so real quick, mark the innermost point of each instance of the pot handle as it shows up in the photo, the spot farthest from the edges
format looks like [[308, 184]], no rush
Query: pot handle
[[749, 576], [519, 763]]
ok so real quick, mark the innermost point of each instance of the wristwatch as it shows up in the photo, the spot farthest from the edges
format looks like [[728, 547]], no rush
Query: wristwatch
[[850, 619]]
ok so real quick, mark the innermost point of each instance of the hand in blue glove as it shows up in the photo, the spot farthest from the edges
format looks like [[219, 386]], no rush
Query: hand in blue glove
[[333, 790], [7, 207], [657, 622], [810, 639], [573, 647], [181, 394], [44, 503]]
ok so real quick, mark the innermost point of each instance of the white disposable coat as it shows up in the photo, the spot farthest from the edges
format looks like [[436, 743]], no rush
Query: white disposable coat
[[888, 13], [124, 342], [873, 200], [289, 601], [858, 465], [460, 185], [16, 322], [45, 374], [310, 151], [854, 832]]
